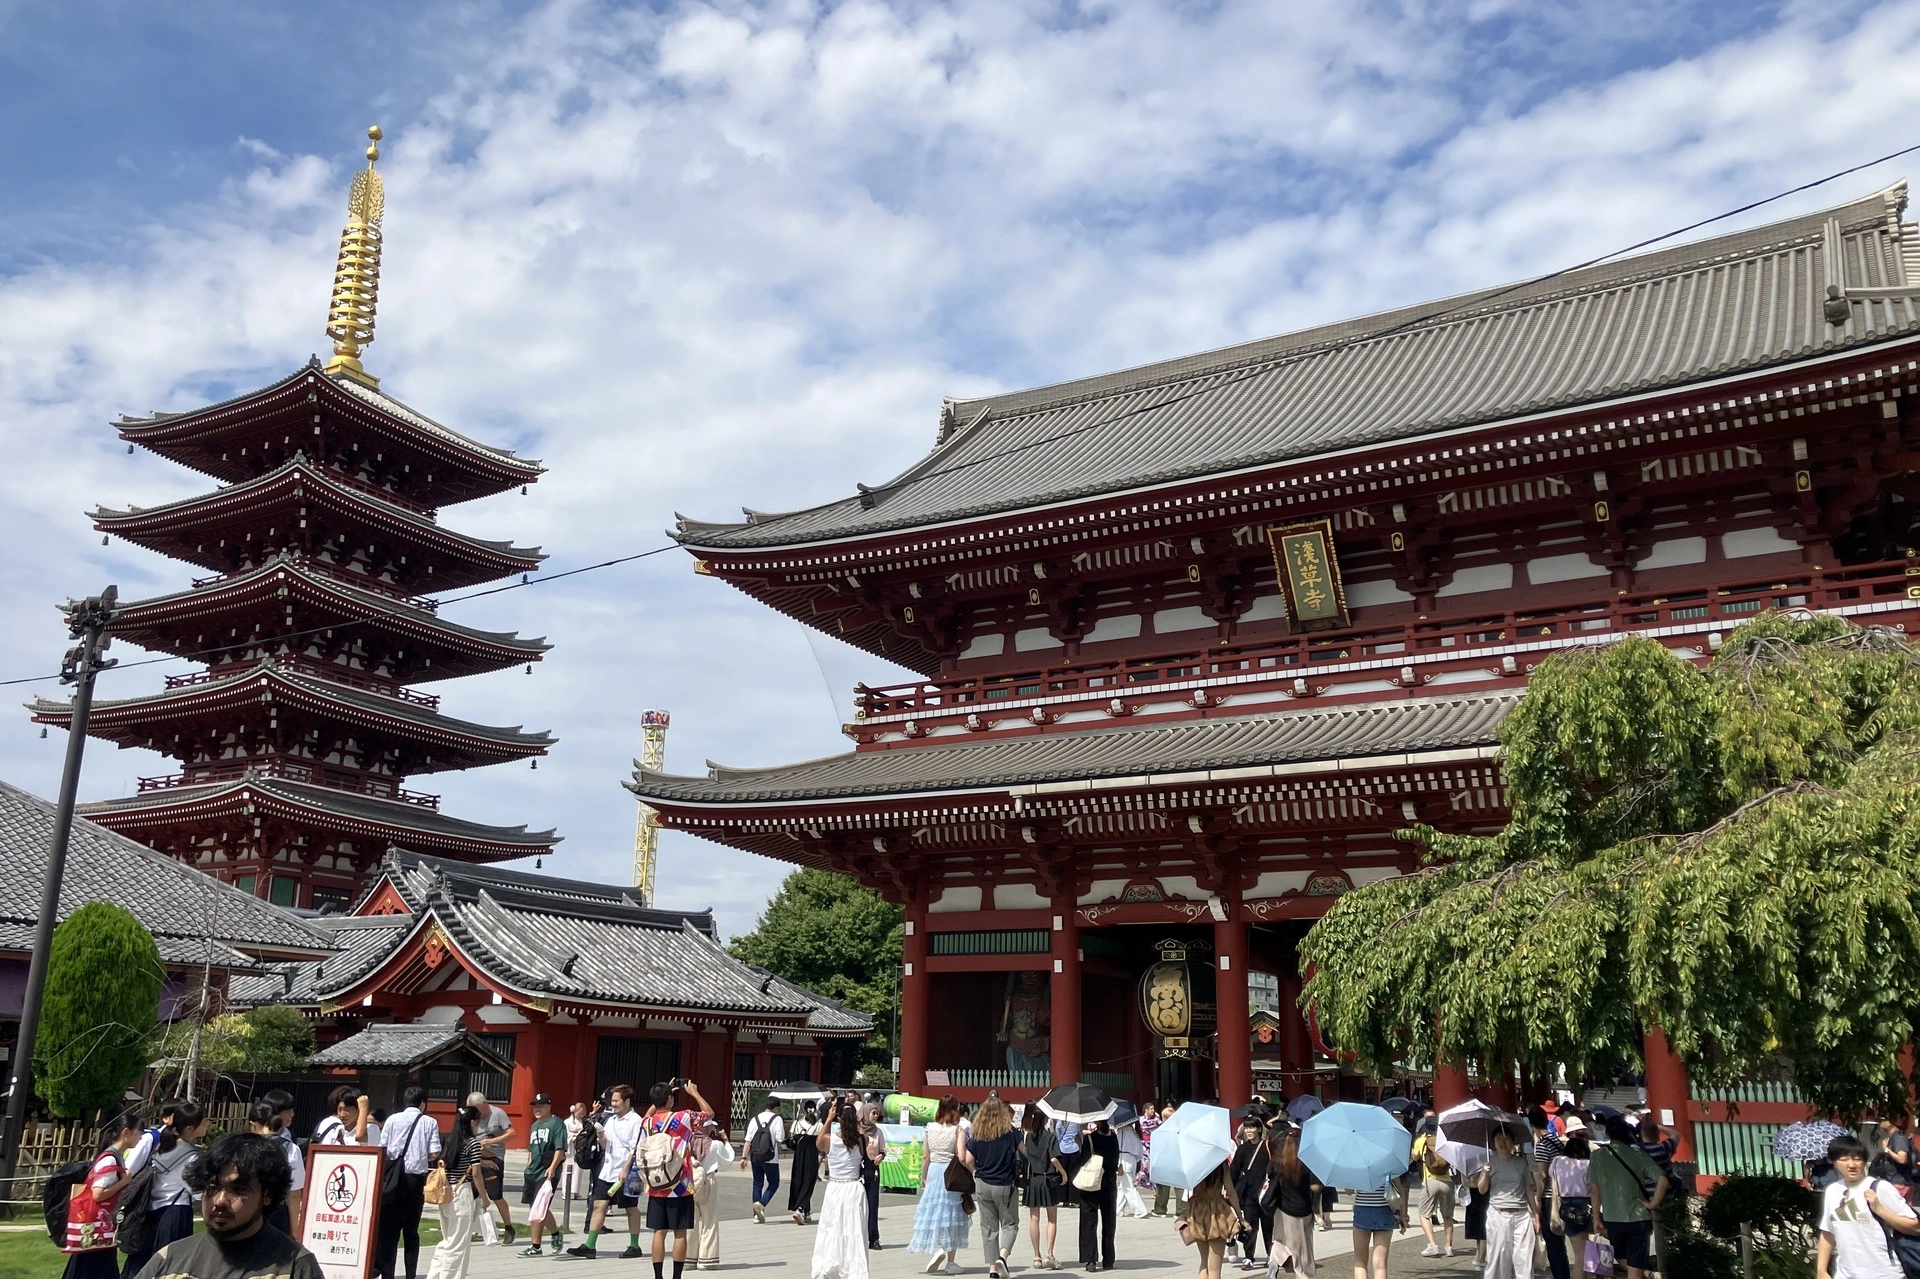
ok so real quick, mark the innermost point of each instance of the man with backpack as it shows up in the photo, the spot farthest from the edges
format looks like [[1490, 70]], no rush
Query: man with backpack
[[665, 1165], [412, 1142], [766, 1134], [1436, 1189], [1864, 1223], [619, 1131], [1627, 1189]]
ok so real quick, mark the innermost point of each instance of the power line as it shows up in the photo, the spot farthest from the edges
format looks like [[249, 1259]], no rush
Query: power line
[[1320, 352]]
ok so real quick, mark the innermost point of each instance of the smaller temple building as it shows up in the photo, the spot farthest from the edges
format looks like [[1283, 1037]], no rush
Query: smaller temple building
[[471, 978]]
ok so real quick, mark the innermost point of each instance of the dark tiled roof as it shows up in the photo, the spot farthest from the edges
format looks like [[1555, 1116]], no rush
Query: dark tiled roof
[[558, 939], [465, 560], [129, 720], [364, 941], [399, 819], [1732, 303], [180, 906], [1364, 731], [404, 1046]]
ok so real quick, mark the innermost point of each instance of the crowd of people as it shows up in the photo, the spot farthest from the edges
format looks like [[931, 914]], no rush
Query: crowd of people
[[1581, 1186]]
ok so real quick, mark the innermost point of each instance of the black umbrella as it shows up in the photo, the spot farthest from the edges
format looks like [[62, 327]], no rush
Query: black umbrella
[[1474, 1123], [1123, 1114], [1255, 1109], [1077, 1103], [1604, 1113], [1401, 1105]]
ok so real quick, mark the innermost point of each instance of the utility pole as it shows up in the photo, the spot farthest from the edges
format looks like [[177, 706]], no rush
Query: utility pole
[[87, 623]]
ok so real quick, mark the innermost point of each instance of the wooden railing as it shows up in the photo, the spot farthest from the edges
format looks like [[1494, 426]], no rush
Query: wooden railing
[[292, 771], [1403, 651], [328, 671]]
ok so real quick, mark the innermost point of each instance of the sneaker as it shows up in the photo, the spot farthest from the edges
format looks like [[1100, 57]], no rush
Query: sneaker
[[1431, 1250], [583, 1252], [631, 1251], [798, 1220], [1447, 1251], [556, 1247], [533, 1250], [760, 1213], [510, 1232]]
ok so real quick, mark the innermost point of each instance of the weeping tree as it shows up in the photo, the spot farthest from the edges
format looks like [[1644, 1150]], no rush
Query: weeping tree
[[1729, 854]]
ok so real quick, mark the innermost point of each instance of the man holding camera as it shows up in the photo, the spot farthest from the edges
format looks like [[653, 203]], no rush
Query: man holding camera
[[670, 1204]]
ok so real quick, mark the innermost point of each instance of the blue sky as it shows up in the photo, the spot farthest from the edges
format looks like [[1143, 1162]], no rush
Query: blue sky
[[700, 256]]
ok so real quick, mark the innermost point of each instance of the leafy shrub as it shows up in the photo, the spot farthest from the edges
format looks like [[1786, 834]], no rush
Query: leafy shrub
[[1697, 1256], [102, 1005], [1781, 1212]]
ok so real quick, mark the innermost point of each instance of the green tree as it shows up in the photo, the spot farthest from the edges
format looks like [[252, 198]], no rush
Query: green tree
[[102, 1009], [1728, 853], [271, 1039], [827, 933]]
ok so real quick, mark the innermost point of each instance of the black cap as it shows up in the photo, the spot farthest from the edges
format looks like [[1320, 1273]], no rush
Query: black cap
[[541, 1099]]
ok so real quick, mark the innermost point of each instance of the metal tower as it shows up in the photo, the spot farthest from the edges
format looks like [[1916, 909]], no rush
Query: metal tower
[[653, 759]]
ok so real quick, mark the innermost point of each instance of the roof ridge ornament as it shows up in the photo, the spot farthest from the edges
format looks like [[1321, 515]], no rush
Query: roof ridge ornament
[[356, 277]]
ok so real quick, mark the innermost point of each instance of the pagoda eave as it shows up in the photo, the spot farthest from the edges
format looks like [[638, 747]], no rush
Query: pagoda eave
[[212, 530], [383, 822], [215, 440]]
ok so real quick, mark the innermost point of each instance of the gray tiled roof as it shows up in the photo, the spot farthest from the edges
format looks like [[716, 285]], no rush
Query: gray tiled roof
[[180, 906], [1735, 302], [484, 560], [403, 1046], [288, 686], [388, 813], [560, 939], [364, 941], [1364, 730]]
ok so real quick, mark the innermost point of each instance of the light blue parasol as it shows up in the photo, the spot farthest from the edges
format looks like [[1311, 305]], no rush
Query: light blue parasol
[[1355, 1147], [1190, 1145]]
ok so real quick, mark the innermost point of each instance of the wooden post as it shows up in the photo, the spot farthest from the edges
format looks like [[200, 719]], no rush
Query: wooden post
[[1451, 1087], [1234, 1051], [1065, 995], [915, 994], [1668, 1092]]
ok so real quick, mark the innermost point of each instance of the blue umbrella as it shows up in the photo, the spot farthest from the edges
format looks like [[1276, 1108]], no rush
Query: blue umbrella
[[1304, 1107], [1807, 1140], [1355, 1147], [1190, 1145]]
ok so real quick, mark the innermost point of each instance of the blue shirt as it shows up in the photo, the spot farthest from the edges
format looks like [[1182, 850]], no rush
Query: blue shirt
[[1069, 1134]]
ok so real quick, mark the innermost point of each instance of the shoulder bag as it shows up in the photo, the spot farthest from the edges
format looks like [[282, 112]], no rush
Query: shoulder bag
[[395, 1175], [1090, 1174]]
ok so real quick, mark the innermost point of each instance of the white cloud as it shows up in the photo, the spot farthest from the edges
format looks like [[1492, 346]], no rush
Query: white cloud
[[732, 254]]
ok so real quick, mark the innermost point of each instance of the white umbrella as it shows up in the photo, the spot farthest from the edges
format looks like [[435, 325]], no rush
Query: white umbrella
[[798, 1090], [1463, 1158]]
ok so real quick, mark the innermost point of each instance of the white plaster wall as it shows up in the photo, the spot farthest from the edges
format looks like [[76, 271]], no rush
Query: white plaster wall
[[954, 900], [1674, 552], [990, 645], [1743, 543], [1371, 594], [1123, 626], [1563, 568], [1272, 883], [1170, 621], [1035, 638], [1018, 897], [1481, 577]]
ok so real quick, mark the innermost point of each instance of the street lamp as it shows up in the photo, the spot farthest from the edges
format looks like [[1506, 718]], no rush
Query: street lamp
[[86, 622]]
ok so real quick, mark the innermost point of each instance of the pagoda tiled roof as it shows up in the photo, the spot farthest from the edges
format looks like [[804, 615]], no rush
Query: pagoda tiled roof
[[193, 918], [1366, 735], [130, 721], [192, 437], [384, 820], [364, 942], [560, 940], [170, 529], [1730, 304], [139, 620]]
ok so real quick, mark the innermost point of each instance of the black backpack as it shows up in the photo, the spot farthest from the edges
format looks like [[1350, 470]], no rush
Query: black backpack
[[54, 1195], [760, 1147], [587, 1148]]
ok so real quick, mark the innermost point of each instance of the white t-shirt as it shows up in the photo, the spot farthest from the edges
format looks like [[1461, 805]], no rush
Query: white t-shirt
[[295, 1161], [619, 1138], [331, 1132], [776, 1128], [1859, 1242]]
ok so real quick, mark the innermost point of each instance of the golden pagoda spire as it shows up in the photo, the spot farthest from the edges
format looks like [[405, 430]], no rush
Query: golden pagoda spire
[[356, 280]]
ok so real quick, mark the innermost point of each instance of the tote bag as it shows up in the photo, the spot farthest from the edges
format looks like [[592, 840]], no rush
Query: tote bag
[[1090, 1173]]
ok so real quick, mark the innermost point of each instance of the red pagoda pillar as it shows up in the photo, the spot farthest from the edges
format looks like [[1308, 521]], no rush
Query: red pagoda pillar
[[1451, 1087], [1065, 994], [915, 992], [1296, 1045], [1234, 1050], [1668, 1091]]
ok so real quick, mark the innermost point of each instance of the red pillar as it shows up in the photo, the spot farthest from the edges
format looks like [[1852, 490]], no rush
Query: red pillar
[[1296, 1046], [915, 992], [1668, 1091], [1451, 1087], [1234, 1050], [1065, 993]]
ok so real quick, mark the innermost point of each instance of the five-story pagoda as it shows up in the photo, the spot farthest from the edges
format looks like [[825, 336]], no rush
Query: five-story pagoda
[[295, 742]]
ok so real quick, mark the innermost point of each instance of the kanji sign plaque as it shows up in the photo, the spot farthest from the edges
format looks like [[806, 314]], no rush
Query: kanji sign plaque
[[1309, 572]]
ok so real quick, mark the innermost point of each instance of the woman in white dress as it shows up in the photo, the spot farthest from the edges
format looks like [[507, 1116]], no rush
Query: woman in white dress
[[706, 1198], [940, 1222], [840, 1243]]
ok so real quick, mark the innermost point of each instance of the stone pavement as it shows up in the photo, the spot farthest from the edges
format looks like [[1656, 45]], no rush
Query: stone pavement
[[782, 1250]]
